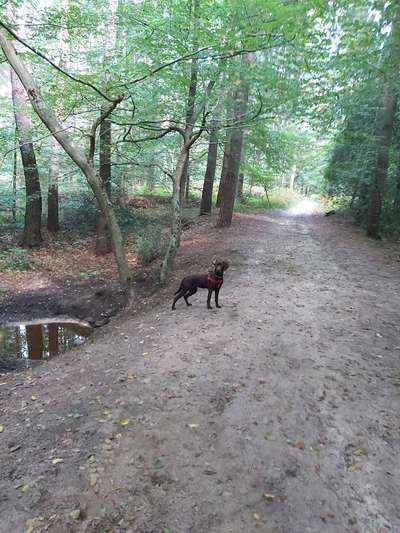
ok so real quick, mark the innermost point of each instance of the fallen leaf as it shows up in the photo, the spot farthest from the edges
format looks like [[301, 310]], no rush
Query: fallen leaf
[[75, 514], [355, 467], [33, 398], [256, 516], [56, 460], [192, 426], [124, 421], [1, 429], [131, 375], [158, 463], [358, 452], [269, 496], [299, 445]]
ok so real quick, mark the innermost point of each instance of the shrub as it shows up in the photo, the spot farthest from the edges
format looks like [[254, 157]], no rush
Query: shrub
[[148, 244], [16, 259]]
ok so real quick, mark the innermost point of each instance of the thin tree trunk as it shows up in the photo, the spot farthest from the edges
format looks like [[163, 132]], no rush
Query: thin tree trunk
[[103, 244], [225, 160], [32, 235], [384, 129], [14, 183], [53, 216], [194, 71], [206, 197], [103, 241], [267, 196], [292, 177], [50, 121], [175, 235], [52, 194], [233, 160], [239, 192]]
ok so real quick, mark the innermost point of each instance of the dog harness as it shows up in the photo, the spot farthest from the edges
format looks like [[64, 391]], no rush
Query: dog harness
[[214, 281]]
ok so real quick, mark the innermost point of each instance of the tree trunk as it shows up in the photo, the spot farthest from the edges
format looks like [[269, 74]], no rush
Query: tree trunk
[[233, 160], [384, 129], [14, 183], [176, 229], [103, 242], [183, 183], [206, 197], [223, 170], [52, 194], [292, 177], [50, 121], [239, 192], [194, 71], [32, 235]]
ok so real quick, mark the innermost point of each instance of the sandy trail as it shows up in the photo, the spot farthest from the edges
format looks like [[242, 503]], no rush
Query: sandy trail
[[279, 412]]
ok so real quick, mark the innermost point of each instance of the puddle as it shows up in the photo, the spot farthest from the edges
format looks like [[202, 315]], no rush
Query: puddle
[[38, 341]]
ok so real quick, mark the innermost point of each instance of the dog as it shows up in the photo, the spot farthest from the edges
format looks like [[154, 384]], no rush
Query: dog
[[212, 281]]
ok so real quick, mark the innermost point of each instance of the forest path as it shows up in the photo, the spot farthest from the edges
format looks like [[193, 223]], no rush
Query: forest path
[[277, 413]]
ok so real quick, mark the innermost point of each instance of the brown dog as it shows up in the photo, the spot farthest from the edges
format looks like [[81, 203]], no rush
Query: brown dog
[[211, 281]]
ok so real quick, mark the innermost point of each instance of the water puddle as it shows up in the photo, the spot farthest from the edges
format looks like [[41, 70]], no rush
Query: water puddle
[[38, 341]]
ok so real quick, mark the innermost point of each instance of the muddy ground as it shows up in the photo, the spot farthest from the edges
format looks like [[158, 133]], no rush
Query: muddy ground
[[278, 413]]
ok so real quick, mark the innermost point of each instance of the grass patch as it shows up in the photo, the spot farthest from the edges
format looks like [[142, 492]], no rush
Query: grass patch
[[278, 199]]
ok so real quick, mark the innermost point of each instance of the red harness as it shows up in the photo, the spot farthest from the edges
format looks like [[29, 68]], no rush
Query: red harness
[[214, 281]]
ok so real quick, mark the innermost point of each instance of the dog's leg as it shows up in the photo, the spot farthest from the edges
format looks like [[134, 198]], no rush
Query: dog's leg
[[190, 293], [210, 291], [216, 298], [179, 295]]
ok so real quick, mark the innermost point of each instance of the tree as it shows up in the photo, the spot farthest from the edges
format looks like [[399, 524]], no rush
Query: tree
[[32, 235], [235, 151], [50, 121], [384, 127], [208, 184]]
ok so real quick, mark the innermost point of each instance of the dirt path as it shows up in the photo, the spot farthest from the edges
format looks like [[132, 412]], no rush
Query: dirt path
[[279, 412]]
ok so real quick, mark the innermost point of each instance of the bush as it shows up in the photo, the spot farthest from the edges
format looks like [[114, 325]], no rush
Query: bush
[[148, 244], [16, 259]]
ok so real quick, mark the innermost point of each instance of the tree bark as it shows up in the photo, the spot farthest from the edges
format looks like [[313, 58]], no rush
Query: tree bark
[[103, 241], [206, 197], [14, 182], [233, 160], [222, 178], [175, 235], [32, 235], [53, 216], [239, 192], [384, 125], [194, 71], [52, 194], [50, 121], [292, 177]]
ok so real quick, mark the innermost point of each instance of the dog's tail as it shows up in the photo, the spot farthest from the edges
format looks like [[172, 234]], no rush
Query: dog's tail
[[179, 290]]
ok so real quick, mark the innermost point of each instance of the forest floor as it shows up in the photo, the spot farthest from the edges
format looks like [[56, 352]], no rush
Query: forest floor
[[278, 413]]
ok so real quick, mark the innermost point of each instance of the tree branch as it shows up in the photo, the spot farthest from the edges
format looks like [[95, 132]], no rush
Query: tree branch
[[59, 69]]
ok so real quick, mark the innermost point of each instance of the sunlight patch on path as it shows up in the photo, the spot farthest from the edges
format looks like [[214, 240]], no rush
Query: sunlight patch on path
[[304, 207]]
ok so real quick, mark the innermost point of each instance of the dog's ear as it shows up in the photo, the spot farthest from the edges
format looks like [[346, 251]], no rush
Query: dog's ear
[[225, 265]]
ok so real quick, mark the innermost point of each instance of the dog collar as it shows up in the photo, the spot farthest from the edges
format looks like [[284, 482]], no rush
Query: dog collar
[[215, 281]]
